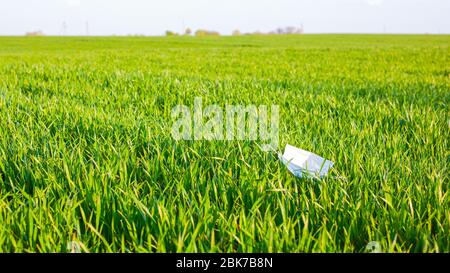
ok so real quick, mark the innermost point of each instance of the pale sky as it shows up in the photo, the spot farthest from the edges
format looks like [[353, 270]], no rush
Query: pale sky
[[123, 17]]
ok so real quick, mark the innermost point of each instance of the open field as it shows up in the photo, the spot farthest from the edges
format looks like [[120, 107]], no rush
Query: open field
[[87, 160]]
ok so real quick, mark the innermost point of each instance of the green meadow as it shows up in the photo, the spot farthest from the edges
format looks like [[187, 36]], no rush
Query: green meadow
[[88, 162]]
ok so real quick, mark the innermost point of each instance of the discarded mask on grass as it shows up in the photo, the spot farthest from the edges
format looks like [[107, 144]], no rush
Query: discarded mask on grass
[[302, 163]]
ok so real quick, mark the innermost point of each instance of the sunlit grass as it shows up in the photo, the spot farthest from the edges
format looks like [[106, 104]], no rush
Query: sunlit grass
[[87, 158]]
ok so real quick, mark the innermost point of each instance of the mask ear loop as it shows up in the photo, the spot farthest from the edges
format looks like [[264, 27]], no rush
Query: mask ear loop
[[279, 154]]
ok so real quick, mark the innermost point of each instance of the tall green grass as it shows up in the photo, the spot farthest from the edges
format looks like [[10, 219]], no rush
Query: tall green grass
[[87, 158]]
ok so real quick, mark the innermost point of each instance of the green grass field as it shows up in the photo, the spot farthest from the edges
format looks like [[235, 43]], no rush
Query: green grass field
[[87, 159]]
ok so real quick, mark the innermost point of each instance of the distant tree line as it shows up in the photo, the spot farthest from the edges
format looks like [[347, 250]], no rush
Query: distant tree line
[[34, 33], [288, 30], [279, 31], [205, 32], [199, 32]]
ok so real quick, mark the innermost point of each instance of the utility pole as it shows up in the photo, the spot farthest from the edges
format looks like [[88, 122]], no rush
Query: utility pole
[[64, 28], [87, 28]]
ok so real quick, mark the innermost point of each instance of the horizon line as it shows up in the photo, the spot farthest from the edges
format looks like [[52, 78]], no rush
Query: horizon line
[[231, 35]]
